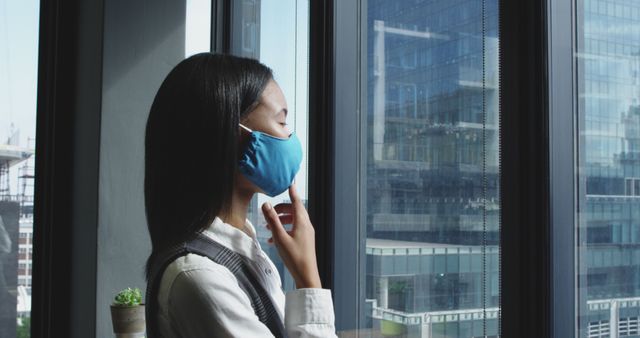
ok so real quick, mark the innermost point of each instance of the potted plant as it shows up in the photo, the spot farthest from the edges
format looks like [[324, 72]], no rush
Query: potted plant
[[127, 313]]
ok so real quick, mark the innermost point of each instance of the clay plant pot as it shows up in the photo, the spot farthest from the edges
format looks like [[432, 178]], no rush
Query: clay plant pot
[[128, 321]]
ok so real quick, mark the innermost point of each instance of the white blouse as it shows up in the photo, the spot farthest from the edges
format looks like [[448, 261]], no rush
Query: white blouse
[[201, 298]]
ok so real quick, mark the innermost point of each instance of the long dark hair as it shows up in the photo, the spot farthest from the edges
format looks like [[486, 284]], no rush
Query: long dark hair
[[191, 143]]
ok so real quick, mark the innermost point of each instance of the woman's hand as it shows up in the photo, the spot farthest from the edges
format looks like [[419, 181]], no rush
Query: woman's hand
[[296, 247]]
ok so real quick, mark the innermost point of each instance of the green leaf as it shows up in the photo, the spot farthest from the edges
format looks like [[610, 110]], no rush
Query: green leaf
[[128, 297]]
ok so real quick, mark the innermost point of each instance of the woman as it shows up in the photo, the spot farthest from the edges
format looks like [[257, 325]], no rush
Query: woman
[[216, 135]]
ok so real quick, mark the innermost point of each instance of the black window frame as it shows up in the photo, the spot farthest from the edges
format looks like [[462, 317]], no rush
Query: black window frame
[[66, 171], [525, 215]]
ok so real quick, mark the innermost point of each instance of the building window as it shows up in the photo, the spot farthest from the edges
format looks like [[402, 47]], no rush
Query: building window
[[599, 329], [632, 186], [629, 326]]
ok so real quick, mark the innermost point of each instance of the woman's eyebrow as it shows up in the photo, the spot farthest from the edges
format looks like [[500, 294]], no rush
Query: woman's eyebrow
[[286, 112]]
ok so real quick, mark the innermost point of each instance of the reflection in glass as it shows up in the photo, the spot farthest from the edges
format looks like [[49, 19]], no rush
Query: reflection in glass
[[432, 211], [608, 258]]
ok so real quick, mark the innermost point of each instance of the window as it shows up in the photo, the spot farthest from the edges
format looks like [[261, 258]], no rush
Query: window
[[608, 218], [19, 24], [629, 326], [632, 186], [431, 211], [197, 27], [276, 33], [248, 27]]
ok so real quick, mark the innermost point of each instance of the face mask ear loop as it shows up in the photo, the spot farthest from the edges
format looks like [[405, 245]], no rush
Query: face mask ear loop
[[245, 127]]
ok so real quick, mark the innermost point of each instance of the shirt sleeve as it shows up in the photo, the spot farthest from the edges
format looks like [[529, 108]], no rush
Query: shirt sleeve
[[207, 302], [309, 313]]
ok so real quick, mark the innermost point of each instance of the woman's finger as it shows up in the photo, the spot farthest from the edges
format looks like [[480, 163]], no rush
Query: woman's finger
[[277, 230], [293, 195], [300, 212]]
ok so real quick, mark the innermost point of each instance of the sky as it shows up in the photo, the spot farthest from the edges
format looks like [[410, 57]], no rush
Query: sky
[[18, 68], [19, 22], [197, 27]]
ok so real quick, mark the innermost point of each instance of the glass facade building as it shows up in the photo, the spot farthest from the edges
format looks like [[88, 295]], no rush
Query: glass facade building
[[608, 60], [432, 173]]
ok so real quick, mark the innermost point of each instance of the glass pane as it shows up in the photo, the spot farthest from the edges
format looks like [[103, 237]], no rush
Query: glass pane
[[197, 27], [608, 255], [19, 24], [276, 33], [432, 173]]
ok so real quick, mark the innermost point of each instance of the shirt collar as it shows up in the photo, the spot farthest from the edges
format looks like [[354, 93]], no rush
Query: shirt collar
[[242, 242]]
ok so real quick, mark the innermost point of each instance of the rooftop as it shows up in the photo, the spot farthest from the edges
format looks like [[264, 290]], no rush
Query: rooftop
[[394, 244], [386, 247], [11, 155]]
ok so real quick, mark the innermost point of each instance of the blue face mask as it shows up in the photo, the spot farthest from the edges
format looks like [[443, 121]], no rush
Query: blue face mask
[[271, 162]]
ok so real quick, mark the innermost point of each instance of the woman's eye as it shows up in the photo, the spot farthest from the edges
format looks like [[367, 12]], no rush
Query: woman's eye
[[284, 124]]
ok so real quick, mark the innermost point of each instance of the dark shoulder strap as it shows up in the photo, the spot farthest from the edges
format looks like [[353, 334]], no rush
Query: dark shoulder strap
[[158, 264], [204, 246]]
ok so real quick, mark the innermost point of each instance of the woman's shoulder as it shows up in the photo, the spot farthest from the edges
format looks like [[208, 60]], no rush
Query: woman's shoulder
[[195, 270], [197, 265]]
